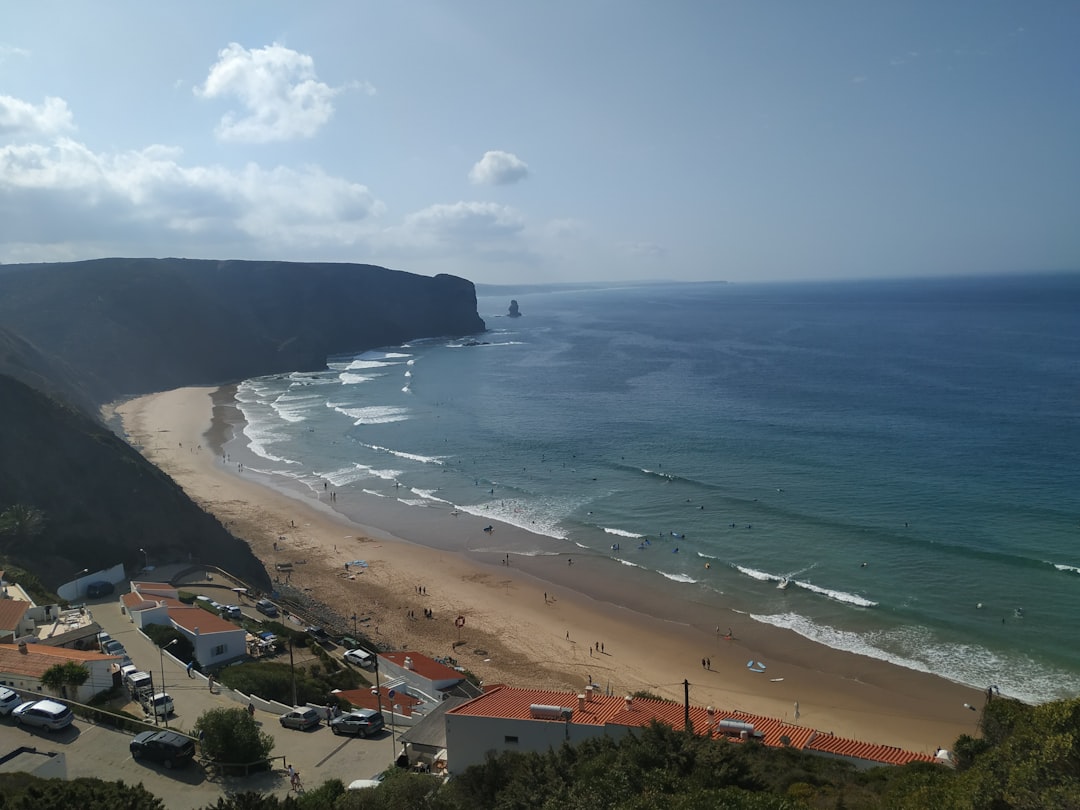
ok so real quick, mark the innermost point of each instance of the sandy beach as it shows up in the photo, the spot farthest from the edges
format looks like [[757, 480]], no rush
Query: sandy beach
[[528, 621]]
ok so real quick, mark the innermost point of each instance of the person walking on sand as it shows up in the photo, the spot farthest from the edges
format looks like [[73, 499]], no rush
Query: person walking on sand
[[210, 683], [190, 666]]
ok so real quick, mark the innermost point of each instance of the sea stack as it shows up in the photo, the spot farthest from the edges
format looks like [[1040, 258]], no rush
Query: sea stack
[[514, 312]]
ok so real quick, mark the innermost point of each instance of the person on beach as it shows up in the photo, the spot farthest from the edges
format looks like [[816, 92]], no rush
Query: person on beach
[[210, 683], [190, 666]]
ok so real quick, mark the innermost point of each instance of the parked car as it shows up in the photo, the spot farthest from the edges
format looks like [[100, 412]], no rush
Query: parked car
[[362, 658], [113, 647], [232, 612], [363, 784], [361, 722], [46, 714], [318, 633], [167, 747], [160, 705], [95, 590], [9, 699], [267, 608], [300, 719]]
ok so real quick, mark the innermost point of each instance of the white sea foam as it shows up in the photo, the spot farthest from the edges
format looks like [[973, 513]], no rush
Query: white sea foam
[[916, 648], [627, 562], [294, 407], [622, 533], [839, 596], [372, 414], [429, 495], [533, 517], [347, 378], [409, 456], [415, 502], [385, 475], [678, 577], [1063, 567], [373, 492]]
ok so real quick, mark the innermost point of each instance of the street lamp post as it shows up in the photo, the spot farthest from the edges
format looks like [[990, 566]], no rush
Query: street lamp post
[[146, 558], [161, 660]]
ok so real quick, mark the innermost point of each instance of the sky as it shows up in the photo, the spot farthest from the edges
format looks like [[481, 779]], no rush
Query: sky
[[564, 140]]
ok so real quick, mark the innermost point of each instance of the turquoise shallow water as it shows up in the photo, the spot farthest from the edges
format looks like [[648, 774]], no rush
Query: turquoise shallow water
[[903, 454]]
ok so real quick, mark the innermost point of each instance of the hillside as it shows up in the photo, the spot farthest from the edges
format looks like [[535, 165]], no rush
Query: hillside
[[132, 326], [77, 335]]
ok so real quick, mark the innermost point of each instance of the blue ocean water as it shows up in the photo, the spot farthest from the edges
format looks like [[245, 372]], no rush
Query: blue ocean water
[[904, 455]]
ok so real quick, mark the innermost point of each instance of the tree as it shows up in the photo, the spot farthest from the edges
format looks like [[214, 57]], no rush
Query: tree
[[60, 676], [22, 523], [232, 736], [21, 792]]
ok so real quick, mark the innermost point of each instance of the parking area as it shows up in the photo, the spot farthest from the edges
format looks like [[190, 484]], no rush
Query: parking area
[[101, 752]]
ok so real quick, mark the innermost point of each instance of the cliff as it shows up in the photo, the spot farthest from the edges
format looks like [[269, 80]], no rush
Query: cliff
[[76, 335], [131, 326]]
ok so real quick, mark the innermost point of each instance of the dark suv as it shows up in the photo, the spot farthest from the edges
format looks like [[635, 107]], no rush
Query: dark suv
[[266, 608], [167, 747], [361, 722]]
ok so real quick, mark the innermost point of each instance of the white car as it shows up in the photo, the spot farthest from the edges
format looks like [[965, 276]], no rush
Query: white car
[[9, 699], [46, 714], [362, 658]]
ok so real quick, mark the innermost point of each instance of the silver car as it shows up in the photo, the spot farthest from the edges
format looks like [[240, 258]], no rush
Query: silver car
[[46, 714], [300, 719]]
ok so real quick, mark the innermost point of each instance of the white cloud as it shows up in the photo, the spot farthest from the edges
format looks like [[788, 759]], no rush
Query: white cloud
[[464, 221], [498, 168], [21, 119], [278, 90], [148, 202]]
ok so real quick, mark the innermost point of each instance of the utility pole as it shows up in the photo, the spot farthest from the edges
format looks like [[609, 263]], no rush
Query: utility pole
[[292, 671], [686, 706]]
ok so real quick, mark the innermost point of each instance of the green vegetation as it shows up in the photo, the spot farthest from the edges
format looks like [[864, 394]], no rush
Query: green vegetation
[[1028, 758], [20, 791], [273, 681], [232, 736], [162, 634], [60, 676]]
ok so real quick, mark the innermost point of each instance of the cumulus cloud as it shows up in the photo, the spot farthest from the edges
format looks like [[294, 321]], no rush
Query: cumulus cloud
[[20, 118], [281, 96], [464, 221], [497, 168], [62, 192]]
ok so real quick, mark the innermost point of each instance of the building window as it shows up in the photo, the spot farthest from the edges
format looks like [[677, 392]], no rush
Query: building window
[[510, 740], [219, 650]]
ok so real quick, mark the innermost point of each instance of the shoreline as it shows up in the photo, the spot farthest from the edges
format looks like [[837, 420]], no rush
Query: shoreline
[[529, 620]]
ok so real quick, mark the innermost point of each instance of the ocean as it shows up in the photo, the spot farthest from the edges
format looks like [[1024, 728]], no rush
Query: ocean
[[890, 468]]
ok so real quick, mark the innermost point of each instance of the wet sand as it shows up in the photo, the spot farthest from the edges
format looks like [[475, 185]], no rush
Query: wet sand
[[528, 620]]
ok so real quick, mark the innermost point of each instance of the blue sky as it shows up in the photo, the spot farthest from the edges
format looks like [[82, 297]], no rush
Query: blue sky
[[522, 142]]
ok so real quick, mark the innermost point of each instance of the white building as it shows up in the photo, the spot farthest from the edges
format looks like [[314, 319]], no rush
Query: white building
[[22, 665]]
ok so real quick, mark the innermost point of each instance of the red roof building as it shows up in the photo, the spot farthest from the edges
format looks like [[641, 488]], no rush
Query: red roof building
[[511, 719]]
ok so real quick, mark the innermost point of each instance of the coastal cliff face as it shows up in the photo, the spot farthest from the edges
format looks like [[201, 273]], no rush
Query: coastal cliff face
[[77, 335], [133, 326], [101, 501]]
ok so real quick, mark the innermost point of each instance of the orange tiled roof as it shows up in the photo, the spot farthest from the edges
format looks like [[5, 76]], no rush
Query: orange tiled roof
[[887, 754], [423, 666], [512, 703], [12, 612], [191, 617], [363, 699], [39, 657]]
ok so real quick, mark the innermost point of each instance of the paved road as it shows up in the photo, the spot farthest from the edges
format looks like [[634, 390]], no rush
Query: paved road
[[101, 752]]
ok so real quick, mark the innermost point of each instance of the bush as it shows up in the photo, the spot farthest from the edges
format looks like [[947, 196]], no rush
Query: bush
[[273, 681], [232, 736], [162, 634]]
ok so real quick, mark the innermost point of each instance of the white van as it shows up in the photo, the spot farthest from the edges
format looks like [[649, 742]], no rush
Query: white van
[[161, 705]]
